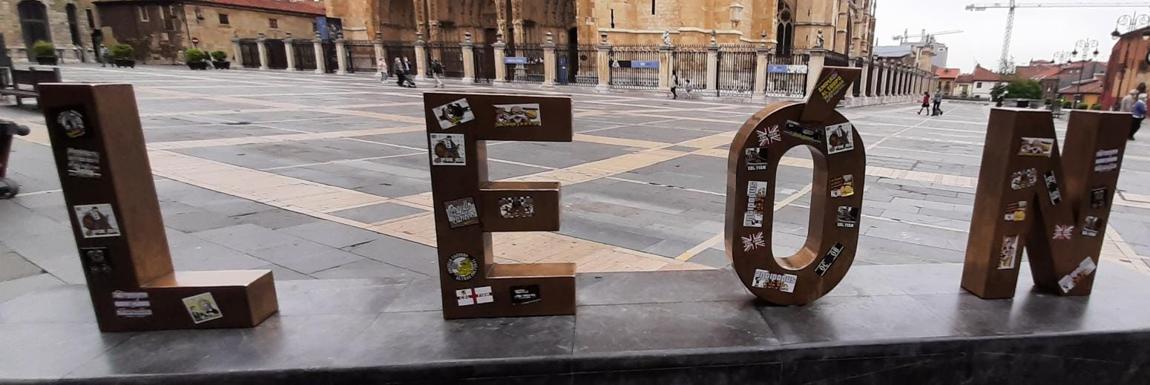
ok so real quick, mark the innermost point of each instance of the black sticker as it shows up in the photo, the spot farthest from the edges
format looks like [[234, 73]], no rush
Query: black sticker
[[1098, 197], [847, 216], [1052, 188], [96, 260], [812, 135], [522, 295], [71, 121], [829, 259]]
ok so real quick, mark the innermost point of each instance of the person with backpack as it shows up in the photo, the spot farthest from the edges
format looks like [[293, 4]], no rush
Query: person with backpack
[[925, 103], [1138, 113]]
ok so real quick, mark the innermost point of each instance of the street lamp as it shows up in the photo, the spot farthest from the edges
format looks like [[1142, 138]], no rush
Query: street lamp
[[1086, 45], [1131, 22]]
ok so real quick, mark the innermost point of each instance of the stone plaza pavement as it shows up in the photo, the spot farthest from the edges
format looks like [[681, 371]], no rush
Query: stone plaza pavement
[[323, 176]]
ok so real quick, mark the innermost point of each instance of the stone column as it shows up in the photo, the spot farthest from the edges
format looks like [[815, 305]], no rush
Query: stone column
[[237, 52], [320, 61], [500, 57], [603, 64], [549, 62], [665, 67], [864, 78], [874, 80], [815, 67], [468, 50], [341, 56], [261, 45], [290, 53], [420, 57], [713, 66], [761, 59], [882, 81]]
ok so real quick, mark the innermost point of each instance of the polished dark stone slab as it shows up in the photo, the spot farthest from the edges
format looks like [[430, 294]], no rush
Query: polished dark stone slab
[[894, 324]]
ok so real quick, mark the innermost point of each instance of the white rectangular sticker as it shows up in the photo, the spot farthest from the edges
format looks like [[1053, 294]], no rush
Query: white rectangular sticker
[[518, 115], [474, 296], [448, 150], [453, 114], [203, 308], [97, 221], [1083, 270]]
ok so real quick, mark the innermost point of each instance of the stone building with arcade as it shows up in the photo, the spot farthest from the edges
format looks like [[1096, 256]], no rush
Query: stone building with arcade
[[68, 24]]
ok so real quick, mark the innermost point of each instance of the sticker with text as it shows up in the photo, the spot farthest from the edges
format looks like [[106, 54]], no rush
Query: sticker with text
[[1106, 160], [97, 221], [523, 295], [461, 212], [1084, 269], [453, 114], [756, 158], [517, 207], [1009, 253], [131, 304], [1023, 179], [843, 186], [1015, 212], [831, 86], [1091, 226], [756, 203], [753, 241], [518, 115], [203, 308], [1036, 147], [840, 138], [83, 163], [474, 296], [847, 216], [768, 280], [829, 259], [1052, 188], [796, 130], [448, 150], [462, 267]]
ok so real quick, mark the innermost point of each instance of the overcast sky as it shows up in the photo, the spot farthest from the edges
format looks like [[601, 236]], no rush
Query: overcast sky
[[1038, 33]]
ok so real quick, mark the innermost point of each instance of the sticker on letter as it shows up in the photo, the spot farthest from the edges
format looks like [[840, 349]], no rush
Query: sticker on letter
[[203, 308], [1084, 269], [518, 115], [453, 114], [840, 138], [1009, 253], [448, 150], [97, 221]]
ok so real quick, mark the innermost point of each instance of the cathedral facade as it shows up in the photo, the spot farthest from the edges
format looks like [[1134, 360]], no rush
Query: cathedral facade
[[787, 26]]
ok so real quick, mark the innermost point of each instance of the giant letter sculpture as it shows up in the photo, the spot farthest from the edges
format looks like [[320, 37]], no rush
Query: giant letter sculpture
[[836, 194], [111, 200], [468, 207], [1055, 204]]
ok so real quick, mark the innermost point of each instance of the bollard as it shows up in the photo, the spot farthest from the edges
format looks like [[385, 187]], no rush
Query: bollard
[[8, 188]]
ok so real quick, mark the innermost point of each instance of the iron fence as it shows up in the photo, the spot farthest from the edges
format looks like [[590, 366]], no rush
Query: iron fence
[[484, 55], [524, 63], [635, 67], [690, 64], [449, 55], [787, 75], [249, 53], [401, 50], [277, 54], [856, 90], [360, 55], [304, 51], [576, 65], [736, 70]]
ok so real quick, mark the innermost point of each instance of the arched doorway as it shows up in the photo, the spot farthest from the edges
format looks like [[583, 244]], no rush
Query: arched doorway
[[33, 22], [74, 28]]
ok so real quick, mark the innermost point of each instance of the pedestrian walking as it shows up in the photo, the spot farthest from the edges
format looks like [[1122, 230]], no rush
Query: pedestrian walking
[[104, 56], [406, 66], [1138, 113], [674, 84], [400, 76], [381, 66], [925, 103], [937, 110], [1127, 103], [437, 72]]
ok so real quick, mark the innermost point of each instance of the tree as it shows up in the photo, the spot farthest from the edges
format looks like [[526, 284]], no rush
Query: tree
[[997, 91], [1024, 89]]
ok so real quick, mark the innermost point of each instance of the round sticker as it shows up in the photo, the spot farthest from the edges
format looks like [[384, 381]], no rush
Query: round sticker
[[72, 122], [462, 267]]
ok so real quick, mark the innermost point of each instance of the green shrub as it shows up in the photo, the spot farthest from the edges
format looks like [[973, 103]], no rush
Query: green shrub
[[122, 51], [193, 55], [1096, 107], [219, 55], [1067, 104], [43, 49]]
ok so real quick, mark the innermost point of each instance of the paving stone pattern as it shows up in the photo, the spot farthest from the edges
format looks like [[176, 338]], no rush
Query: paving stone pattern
[[322, 176]]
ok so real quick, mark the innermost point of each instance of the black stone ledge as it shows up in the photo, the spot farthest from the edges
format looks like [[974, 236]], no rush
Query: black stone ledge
[[882, 325]]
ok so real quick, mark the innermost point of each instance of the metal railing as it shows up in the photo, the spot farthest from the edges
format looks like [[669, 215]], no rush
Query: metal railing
[[736, 70], [787, 75], [691, 66], [249, 53], [277, 54], [360, 55], [484, 55], [401, 50], [634, 67], [524, 63], [576, 65], [449, 55], [304, 51]]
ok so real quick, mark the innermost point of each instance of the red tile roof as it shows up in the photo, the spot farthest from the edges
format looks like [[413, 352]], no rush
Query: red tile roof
[[304, 6], [1088, 86], [947, 73], [1037, 72], [964, 78], [985, 75]]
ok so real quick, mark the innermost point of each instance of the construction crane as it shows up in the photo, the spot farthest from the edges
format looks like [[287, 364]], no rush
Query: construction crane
[[1004, 61], [924, 35]]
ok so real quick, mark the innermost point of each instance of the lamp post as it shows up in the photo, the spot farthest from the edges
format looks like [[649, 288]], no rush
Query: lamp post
[[1131, 22], [1086, 46]]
